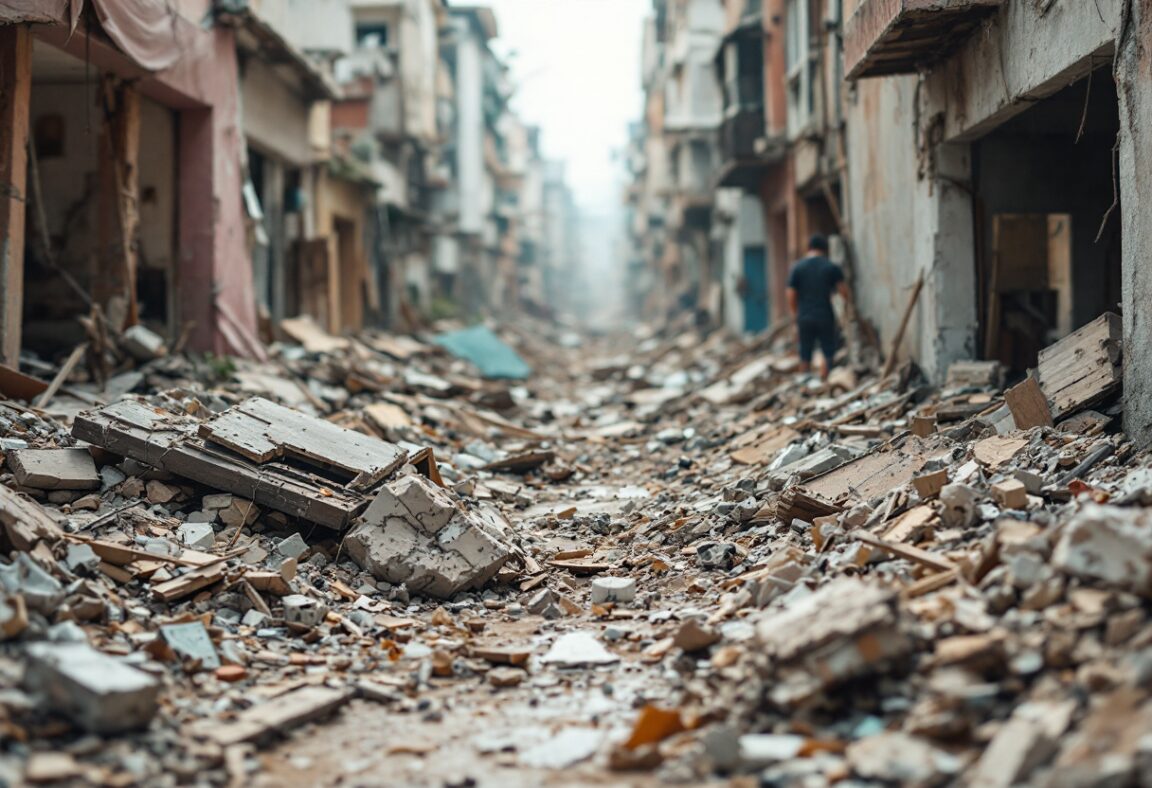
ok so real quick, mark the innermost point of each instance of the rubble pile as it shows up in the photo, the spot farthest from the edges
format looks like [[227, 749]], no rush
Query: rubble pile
[[687, 560]]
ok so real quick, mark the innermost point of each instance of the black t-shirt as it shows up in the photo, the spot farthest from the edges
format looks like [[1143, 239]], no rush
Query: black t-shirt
[[815, 279]]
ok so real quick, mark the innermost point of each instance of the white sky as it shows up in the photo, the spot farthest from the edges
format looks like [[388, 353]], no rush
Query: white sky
[[577, 67]]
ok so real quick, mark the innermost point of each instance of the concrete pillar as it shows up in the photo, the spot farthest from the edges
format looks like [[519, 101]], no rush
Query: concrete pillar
[[949, 297], [1133, 65], [15, 91]]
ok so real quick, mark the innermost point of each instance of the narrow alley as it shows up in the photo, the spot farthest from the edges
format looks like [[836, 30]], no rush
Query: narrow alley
[[394, 393]]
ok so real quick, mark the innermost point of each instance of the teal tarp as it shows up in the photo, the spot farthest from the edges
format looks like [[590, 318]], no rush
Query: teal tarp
[[487, 351]]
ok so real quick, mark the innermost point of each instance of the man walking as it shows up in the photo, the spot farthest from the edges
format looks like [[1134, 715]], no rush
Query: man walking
[[811, 284]]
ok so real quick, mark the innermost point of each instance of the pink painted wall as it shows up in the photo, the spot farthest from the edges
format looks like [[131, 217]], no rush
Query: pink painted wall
[[214, 273]]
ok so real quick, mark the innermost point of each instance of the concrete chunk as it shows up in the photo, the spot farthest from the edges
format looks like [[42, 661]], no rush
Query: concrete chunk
[[99, 693], [300, 609], [41, 591], [198, 536], [142, 343], [613, 589], [1111, 544], [414, 533], [54, 469]]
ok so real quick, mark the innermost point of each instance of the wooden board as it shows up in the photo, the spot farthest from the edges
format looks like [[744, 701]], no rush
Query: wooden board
[[997, 450], [308, 333], [873, 474], [263, 431], [277, 716], [168, 441], [15, 92], [764, 450], [1084, 367], [1028, 404]]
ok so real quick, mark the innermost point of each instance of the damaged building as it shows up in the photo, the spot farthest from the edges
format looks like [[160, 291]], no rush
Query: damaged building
[[989, 150]]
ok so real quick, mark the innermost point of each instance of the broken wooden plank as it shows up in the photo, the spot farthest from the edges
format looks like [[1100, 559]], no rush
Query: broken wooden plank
[[61, 376], [308, 333], [1084, 367], [997, 450], [872, 474], [521, 463], [168, 441], [1028, 404], [766, 448], [262, 431], [54, 469], [275, 717], [189, 583], [916, 555]]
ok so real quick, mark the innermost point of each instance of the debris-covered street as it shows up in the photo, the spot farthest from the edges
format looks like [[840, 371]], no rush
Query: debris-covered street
[[681, 564], [575, 393]]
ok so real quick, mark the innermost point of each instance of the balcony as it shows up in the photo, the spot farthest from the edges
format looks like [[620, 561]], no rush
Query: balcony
[[745, 153], [901, 36]]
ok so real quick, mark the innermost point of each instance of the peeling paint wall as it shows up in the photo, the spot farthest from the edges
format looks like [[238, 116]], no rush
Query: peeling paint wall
[[910, 163]]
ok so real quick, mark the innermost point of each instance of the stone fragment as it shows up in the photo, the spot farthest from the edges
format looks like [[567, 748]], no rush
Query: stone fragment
[[1109, 544], [540, 601], [845, 630], [238, 513], [142, 343], [758, 750], [292, 547], [693, 636], [13, 616], [198, 536], [716, 555], [41, 591], [51, 767], [414, 533], [191, 644], [901, 759], [303, 610], [159, 492], [1024, 742], [505, 677], [79, 558], [110, 476], [54, 469], [99, 693], [1011, 494], [621, 590], [231, 673], [216, 501], [577, 649], [90, 502], [960, 503]]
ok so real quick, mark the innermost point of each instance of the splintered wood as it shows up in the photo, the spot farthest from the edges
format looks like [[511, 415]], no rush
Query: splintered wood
[[1083, 367], [308, 461]]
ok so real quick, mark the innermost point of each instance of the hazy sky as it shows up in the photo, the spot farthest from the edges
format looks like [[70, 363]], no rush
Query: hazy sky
[[577, 64]]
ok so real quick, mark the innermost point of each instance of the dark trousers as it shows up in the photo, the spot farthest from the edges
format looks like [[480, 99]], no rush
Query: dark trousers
[[823, 332]]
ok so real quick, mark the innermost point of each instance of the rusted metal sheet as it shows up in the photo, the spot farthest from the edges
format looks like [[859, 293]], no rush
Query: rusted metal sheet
[[900, 36]]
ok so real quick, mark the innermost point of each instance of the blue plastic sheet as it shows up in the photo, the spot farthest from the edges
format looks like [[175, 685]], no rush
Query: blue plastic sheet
[[486, 351]]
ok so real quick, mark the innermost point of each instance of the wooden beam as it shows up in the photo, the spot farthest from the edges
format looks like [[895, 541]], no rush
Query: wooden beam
[[15, 91], [120, 193]]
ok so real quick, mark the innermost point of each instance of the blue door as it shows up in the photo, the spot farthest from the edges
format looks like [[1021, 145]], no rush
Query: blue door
[[755, 289]]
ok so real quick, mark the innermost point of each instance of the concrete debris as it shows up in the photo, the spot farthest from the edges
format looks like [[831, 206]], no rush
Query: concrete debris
[[414, 533], [142, 343], [823, 583], [98, 692], [1109, 544], [621, 590], [54, 469]]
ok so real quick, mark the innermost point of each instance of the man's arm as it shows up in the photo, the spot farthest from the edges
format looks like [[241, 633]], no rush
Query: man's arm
[[842, 290], [793, 301]]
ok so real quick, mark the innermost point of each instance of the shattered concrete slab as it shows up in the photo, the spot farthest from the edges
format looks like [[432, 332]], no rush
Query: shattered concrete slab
[[54, 469], [414, 533], [98, 692], [844, 630]]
